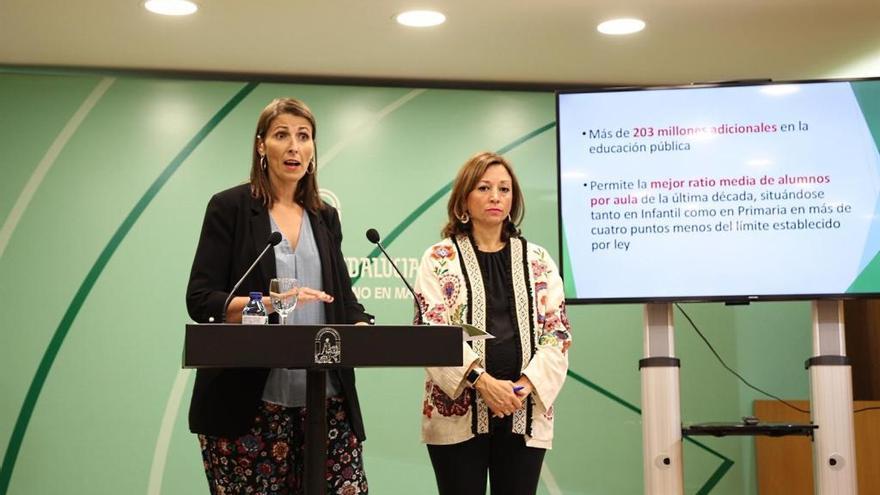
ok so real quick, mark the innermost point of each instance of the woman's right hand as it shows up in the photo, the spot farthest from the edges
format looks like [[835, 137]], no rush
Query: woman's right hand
[[498, 395], [304, 295], [307, 294]]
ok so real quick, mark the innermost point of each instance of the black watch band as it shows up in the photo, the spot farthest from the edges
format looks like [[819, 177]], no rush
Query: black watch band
[[474, 375]]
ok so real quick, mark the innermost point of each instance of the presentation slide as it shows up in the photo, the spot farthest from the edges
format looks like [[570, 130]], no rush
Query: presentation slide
[[762, 191]]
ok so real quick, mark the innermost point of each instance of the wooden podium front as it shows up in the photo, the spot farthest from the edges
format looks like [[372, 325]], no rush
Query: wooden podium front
[[318, 348]]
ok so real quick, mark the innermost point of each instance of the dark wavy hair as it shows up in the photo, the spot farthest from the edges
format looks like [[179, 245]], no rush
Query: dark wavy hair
[[466, 181], [306, 194]]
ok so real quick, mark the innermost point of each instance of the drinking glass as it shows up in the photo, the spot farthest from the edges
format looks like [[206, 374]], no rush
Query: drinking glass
[[283, 294]]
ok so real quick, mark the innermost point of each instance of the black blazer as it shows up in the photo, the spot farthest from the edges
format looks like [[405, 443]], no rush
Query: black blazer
[[235, 230]]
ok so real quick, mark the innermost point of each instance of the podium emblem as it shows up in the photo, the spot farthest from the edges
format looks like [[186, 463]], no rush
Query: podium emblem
[[328, 346]]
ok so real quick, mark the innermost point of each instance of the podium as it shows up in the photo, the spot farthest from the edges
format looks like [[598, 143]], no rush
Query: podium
[[317, 349]]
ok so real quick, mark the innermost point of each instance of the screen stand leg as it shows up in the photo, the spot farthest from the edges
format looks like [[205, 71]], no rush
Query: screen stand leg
[[661, 408], [316, 432], [831, 402]]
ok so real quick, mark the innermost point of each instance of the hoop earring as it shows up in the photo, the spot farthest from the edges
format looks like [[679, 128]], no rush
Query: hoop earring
[[310, 169], [509, 219], [464, 218], [264, 163]]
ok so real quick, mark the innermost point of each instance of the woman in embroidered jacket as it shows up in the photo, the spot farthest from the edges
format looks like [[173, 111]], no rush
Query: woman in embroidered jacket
[[494, 414]]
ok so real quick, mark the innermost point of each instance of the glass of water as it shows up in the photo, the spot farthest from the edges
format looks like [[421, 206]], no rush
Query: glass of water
[[283, 294]]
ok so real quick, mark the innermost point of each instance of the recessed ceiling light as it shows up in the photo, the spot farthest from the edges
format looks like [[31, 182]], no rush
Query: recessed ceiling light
[[621, 26], [420, 18], [171, 7]]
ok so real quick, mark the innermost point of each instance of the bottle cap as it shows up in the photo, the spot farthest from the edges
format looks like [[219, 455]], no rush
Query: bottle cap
[[256, 295]]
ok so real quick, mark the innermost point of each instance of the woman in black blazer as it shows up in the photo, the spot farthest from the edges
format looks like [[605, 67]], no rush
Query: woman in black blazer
[[250, 421]]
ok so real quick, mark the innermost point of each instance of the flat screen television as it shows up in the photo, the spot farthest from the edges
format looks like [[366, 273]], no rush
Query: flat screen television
[[738, 192]]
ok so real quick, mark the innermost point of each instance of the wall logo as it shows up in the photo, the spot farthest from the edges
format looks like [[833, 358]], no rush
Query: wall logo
[[332, 199]]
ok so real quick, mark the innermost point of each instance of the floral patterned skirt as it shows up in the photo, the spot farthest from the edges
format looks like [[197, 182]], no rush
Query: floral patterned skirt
[[269, 459]]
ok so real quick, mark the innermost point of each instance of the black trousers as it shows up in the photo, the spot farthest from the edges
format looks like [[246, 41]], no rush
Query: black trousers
[[512, 467]]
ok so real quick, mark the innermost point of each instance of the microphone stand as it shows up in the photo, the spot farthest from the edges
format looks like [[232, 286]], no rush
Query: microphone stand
[[274, 239], [373, 236]]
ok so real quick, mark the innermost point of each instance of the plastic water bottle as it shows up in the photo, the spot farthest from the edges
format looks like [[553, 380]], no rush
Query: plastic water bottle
[[254, 312]]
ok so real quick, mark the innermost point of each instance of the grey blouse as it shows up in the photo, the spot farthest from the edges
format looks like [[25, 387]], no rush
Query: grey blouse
[[287, 387]]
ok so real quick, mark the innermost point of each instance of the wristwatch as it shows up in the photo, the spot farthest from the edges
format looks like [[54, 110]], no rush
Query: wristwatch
[[474, 374]]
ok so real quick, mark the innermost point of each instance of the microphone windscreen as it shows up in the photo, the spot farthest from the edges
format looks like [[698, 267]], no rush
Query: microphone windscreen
[[372, 236], [274, 238]]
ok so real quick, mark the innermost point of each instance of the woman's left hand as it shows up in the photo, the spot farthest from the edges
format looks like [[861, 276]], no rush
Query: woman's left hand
[[498, 395], [527, 387], [307, 295]]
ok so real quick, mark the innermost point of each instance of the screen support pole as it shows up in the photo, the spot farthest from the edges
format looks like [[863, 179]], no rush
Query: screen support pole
[[831, 403], [661, 408]]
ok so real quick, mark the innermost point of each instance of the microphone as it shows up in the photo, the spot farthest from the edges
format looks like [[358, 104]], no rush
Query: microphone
[[373, 237], [272, 241]]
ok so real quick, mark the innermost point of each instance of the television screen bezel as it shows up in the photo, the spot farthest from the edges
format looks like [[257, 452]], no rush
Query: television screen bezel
[[727, 299]]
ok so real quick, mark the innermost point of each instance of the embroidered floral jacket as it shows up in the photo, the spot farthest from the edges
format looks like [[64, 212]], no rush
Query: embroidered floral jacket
[[449, 287]]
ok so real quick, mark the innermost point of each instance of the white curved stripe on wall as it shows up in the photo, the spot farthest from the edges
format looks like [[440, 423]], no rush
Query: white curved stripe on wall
[[549, 480], [381, 114], [163, 440], [33, 183]]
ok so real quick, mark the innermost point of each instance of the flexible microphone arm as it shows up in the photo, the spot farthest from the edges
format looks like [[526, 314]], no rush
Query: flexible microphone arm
[[373, 236], [274, 239]]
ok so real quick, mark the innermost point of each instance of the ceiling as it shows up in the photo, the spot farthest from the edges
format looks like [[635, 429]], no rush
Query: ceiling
[[539, 42]]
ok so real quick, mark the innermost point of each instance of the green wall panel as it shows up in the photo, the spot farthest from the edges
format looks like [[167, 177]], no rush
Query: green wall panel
[[116, 220]]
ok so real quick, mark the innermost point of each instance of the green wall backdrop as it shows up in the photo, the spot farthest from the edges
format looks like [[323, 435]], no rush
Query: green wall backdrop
[[104, 184]]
